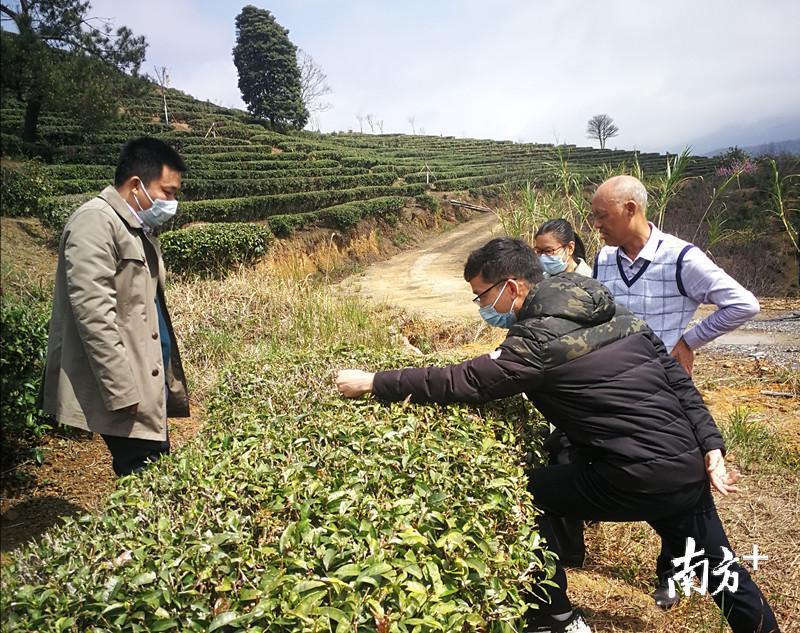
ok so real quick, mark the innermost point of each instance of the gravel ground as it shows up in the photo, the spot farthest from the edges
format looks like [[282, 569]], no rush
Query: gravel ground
[[773, 336]]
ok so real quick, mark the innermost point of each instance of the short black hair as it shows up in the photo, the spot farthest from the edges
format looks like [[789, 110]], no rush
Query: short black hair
[[145, 157], [504, 258]]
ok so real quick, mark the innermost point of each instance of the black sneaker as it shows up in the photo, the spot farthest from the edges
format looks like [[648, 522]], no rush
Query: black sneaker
[[548, 624], [662, 597]]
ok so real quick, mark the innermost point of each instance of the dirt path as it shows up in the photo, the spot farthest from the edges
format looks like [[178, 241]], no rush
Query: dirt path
[[429, 279]]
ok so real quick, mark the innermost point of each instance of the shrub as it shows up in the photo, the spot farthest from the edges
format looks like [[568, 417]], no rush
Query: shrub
[[23, 332], [200, 189], [212, 248], [262, 207], [11, 145], [285, 224], [345, 216], [23, 186], [429, 202], [341, 216], [88, 172], [296, 510], [55, 211]]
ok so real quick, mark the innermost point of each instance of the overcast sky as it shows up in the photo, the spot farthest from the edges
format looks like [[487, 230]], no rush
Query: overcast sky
[[709, 73]]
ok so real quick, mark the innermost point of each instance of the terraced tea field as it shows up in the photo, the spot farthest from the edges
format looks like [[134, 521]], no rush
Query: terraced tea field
[[241, 172]]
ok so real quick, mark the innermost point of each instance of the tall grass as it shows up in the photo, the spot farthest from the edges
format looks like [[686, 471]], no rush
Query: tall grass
[[521, 212], [666, 186], [278, 304], [714, 213], [780, 205]]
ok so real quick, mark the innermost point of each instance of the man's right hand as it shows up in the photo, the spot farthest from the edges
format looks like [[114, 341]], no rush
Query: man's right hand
[[354, 383], [722, 480], [131, 409]]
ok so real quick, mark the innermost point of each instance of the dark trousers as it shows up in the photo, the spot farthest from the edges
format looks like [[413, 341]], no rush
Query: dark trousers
[[576, 491], [567, 534], [130, 455]]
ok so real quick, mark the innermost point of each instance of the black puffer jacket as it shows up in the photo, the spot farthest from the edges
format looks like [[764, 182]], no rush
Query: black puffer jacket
[[596, 372]]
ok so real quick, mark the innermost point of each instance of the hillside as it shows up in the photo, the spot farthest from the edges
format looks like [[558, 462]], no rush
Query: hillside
[[242, 171], [771, 149]]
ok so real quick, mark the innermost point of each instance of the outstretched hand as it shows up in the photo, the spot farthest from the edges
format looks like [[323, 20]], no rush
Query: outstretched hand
[[721, 479], [354, 383]]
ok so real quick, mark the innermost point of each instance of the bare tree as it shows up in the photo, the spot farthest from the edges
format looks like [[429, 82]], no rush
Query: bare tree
[[412, 119], [162, 76], [360, 119], [601, 127], [313, 83], [371, 123], [380, 125]]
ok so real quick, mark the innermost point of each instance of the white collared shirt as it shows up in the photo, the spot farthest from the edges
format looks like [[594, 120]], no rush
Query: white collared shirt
[[142, 225], [695, 277]]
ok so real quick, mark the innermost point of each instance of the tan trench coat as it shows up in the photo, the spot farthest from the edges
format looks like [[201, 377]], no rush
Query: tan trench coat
[[104, 353]]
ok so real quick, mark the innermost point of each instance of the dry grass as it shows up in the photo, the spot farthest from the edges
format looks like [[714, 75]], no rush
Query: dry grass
[[615, 584], [27, 260]]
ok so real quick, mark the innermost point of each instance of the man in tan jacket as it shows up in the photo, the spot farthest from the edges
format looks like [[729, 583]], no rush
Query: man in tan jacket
[[113, 365]]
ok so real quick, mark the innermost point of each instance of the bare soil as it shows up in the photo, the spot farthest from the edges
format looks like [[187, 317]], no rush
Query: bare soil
[[75, 478], [429, 278]]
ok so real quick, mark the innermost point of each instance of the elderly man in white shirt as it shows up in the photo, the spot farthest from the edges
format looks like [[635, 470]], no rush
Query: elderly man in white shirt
[[662, 279]]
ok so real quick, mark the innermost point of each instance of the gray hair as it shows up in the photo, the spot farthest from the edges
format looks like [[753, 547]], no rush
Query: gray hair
[[633, 189]]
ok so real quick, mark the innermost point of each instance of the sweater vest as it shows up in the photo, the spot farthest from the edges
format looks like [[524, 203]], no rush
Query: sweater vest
[[655, 293]]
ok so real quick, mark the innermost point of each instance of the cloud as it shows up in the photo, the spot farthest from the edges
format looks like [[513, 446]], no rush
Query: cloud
[[667, 73]]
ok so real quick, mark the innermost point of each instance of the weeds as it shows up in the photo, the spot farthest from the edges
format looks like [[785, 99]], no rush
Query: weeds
[[666, 187], [753, 441], [780, 207]]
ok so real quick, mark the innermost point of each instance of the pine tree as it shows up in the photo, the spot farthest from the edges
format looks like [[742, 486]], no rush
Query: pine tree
[[60, 58], [269, 77]]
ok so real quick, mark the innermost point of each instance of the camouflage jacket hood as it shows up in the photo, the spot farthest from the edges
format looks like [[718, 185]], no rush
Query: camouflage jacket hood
[[570, 296], [566, 317]]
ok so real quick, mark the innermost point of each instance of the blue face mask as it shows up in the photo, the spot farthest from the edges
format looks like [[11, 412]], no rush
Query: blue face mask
[[552, 264], [160, 211], [498, 319]]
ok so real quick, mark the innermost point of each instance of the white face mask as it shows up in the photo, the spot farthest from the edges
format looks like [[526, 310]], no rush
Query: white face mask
[[160, 211]]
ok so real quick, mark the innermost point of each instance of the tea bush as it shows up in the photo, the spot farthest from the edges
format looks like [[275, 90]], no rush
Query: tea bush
[[342, 216], [22, 186], [23, 332], [262, 207], [345, 216], [213, 248], [296, 510]]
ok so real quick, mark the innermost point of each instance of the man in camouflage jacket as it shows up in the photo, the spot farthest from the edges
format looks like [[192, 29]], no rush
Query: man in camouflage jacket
[[649, 447]]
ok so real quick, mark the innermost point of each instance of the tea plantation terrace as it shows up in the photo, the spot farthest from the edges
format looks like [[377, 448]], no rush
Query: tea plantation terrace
[[239, 171]]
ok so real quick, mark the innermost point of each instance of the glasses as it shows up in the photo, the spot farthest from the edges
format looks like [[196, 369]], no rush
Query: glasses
[[548, 251], [477, 300]]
